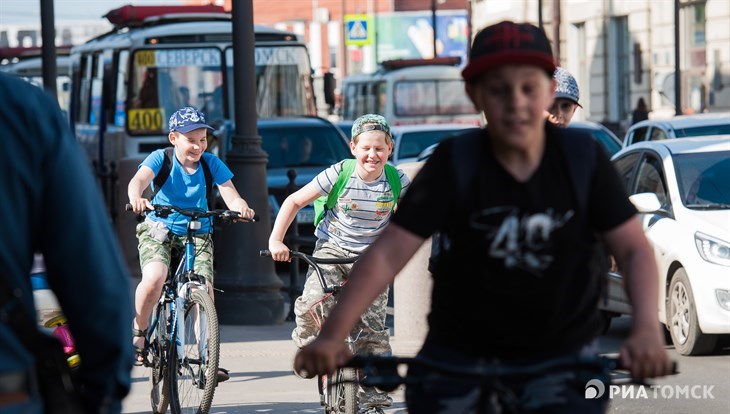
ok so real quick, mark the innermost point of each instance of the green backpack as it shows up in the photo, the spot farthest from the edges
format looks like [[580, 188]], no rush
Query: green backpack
[[324, 203]]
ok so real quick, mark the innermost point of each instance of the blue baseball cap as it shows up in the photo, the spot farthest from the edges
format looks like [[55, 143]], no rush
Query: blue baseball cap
[[187, 119]]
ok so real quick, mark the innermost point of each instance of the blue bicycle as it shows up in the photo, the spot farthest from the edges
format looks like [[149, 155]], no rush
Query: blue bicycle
[[183, 338]]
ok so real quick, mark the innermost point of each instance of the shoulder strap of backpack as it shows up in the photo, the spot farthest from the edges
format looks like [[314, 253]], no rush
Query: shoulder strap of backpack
[[166, 168], [208, 181], [164, 172], [393, 177], [347, 168], [579, 150], [464, 163]]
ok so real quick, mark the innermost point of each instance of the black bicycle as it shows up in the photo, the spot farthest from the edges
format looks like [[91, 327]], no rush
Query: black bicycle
[[389, 372], [183, 338], [338, 393]]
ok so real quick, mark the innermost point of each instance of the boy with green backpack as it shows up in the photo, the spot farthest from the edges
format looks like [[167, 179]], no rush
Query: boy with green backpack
[[353, 200]]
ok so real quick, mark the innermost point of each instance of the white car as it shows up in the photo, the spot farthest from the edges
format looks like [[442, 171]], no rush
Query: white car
[[681, 188], [410, 140], [682, 126]]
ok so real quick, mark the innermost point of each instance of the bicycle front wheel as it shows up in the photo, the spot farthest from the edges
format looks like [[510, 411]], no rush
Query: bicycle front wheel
[[342, 391], [193, 373], [160, 392]]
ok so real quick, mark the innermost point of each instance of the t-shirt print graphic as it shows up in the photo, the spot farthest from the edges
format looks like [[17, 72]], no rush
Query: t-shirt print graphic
[[522, 241]]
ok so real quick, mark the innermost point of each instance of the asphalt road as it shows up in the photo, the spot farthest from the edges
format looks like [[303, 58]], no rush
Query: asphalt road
[[260, 359]]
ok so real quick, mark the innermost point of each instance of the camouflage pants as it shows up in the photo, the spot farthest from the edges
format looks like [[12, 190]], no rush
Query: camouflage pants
[[373, 337], [156, 244]]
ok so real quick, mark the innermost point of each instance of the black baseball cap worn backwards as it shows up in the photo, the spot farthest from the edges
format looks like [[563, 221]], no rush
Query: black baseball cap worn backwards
[[508, 43]]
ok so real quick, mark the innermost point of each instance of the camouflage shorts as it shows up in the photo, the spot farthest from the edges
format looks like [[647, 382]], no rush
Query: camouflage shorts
[[373, 336], [156, 244]]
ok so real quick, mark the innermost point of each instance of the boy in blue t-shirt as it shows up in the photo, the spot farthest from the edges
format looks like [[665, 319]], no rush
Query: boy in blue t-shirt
[[185, 188]]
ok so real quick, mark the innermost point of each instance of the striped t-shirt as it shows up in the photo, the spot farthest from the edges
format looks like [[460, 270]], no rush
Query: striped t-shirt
[[362, 209]]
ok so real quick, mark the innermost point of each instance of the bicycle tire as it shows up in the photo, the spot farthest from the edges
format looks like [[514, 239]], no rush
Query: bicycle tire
[[342, 392], [193, 379], [160, 390]]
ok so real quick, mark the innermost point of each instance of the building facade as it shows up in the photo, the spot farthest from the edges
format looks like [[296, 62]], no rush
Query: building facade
[[623, 50]]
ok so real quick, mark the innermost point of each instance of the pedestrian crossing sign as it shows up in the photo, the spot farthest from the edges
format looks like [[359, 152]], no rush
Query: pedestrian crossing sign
[[358, 29]]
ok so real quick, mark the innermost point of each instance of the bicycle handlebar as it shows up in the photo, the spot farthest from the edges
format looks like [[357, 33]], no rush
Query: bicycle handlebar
[[382, 371], [195, 214], [315, 262]]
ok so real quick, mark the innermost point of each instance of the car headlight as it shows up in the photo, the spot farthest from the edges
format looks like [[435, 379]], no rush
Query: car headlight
[[713, 250]]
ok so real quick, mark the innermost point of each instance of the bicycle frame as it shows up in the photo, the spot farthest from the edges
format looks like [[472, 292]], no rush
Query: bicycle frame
[[185, 375], [339, 392]]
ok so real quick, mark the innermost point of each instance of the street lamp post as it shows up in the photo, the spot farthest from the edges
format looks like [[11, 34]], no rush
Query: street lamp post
[[48, 47], [251, 290], [433, 25]]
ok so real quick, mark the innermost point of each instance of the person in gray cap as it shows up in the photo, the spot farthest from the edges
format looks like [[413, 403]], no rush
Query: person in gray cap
[[364, 192], [566, 98], [185, 187], [520, 259]]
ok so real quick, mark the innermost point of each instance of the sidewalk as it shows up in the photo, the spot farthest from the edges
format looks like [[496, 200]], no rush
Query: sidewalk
[[259, 359]]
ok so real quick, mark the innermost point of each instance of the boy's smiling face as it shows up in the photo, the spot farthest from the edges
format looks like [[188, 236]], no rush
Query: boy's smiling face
[[189, 147], [371, 149], [514, 99]]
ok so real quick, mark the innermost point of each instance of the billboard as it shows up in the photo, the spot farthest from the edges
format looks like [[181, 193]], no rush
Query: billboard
[[409, 35]]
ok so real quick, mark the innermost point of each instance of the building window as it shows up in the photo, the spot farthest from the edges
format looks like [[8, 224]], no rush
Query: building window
[[620, 76]]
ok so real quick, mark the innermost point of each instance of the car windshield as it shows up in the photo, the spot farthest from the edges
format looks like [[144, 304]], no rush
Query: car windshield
[[703, 179], [721, 129], [298, 146], [412, 143]]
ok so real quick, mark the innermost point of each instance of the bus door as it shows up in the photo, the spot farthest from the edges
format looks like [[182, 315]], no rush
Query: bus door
[[365, 97]]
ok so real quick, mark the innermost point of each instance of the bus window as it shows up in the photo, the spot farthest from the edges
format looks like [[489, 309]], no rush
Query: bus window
[[452, 98], [156, 78], [97, 85], [121, 92], [349, 97], [415, 98], [380, 90], [85, 89], [283, 81]]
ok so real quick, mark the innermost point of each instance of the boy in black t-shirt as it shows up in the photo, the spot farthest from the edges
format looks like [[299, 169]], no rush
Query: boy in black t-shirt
[[521, 246]]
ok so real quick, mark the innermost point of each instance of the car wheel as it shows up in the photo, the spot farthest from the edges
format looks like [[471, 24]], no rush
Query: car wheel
[[684, 327]]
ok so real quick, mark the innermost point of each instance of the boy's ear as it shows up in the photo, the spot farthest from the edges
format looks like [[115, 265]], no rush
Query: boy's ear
[[171, 137], [469, 87]]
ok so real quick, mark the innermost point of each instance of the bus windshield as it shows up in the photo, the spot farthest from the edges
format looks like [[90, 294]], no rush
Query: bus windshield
[[431, 97], [283, 81], [164, 80]]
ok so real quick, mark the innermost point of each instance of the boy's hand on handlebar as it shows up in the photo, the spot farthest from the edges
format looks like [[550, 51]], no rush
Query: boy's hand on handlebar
[[247, 213], [279, 251], [322, 356], [644, 354], [139, 205]]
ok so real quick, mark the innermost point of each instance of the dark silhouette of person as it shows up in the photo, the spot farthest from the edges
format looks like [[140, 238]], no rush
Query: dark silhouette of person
[[51, 205], [641, 112]]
